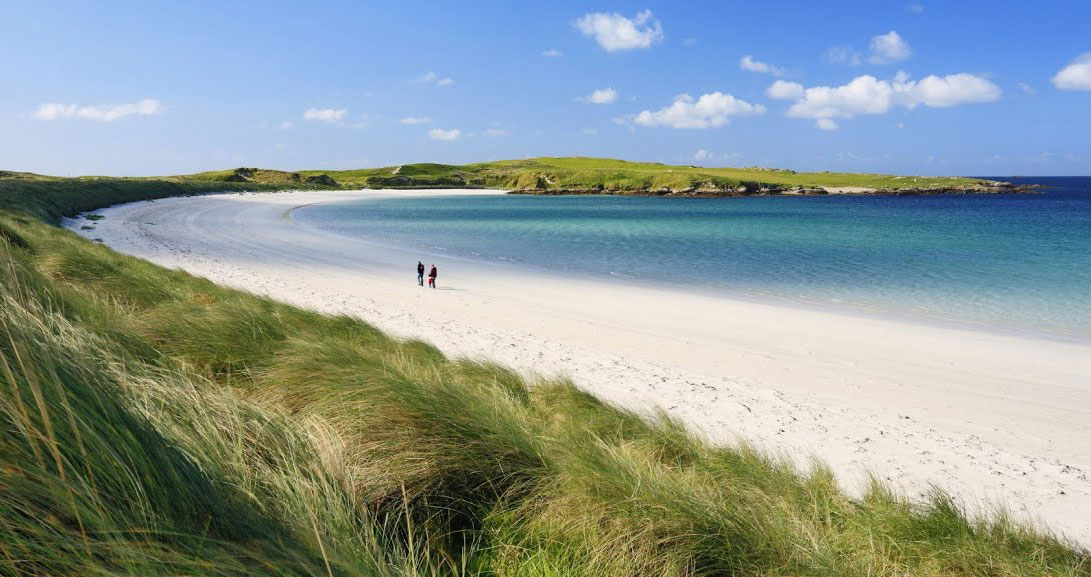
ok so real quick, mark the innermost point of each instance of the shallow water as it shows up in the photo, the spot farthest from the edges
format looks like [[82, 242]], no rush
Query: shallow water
[[1012, 262]]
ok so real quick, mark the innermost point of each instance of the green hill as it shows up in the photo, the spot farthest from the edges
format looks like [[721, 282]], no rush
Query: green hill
[[618, 176], [536, 176]]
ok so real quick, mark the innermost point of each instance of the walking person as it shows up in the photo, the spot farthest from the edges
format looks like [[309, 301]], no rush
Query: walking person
[[420, 273], [432, 277]]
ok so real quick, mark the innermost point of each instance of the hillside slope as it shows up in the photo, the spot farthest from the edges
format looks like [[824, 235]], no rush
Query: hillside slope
[[574, 175]]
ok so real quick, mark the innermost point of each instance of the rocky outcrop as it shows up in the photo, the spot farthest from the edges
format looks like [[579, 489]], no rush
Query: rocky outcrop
[[241, 175], [321, 179], [759, 189]]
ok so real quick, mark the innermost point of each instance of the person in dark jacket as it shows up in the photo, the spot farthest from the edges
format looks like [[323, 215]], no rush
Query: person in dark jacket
[[420, 273], [432, 277]]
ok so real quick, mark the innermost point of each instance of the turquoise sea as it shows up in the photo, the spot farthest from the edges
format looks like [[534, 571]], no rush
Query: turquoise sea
[[1017, 263]]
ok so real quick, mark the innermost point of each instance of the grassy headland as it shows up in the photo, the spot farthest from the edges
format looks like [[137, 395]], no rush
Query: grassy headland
[[600, 175], [155, 423], [573, 175]]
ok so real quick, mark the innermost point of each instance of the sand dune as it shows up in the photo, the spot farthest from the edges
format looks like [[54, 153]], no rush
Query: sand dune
[[989, 416]]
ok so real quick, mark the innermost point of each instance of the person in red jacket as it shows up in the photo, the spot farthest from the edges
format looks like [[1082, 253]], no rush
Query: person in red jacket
[[432, 277]]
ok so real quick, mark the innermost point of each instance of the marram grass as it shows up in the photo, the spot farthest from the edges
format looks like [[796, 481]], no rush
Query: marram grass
[[153, 423]]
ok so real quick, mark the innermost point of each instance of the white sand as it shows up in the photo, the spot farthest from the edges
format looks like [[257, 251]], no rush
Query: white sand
[[988, 416], [848, 189]]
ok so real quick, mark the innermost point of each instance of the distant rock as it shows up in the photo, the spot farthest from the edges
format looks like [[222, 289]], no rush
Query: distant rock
[[321, 179], [241, 175]]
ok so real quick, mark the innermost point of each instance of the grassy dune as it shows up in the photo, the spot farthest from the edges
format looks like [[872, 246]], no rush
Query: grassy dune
[[154, 423]]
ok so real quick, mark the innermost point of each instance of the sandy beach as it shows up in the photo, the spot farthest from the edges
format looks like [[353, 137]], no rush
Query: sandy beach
[[993, 418]]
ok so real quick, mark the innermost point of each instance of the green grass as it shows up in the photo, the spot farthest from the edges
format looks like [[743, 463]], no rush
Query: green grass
[[51, 198], [154, 423], [59, 196], [618, 176]]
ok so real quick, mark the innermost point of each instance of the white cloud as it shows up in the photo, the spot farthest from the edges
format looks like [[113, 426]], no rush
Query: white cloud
[[616, 33], [914, 8], [702, 155], [414, 120], [552, 53], [441, 134], [590, 131], [843, 55], [99, 113], [950, 90], [495, 132], [287, 125], [620, 120], [1027, 89], [867, 95], [1075, 76], [600, 96], [709, 111], [435, 79], [749, 63], [783, 90], [329, 115], [888, 48]]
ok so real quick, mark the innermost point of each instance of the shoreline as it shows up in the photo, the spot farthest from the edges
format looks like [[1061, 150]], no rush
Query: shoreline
[[861, 311], [862, 394], [742, 192]]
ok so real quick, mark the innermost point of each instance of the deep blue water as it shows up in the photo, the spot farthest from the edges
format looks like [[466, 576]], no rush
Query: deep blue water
[[1013, 262]]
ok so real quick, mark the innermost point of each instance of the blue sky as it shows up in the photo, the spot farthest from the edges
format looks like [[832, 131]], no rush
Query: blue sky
[[139, 88]]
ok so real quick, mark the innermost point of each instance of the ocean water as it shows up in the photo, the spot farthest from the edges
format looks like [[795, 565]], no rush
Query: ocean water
[[1017, 263]]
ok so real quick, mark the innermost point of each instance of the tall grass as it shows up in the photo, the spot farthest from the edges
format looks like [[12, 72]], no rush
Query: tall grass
[[154, 423], [51, 198]]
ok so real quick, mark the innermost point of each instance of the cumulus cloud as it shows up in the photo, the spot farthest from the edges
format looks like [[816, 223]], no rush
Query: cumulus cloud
[[600, 96], [948, 91], [783, 90], [414, 120], [867, 95], [329, 115], [1075, 76], [749, 63], [552, 53], [702, 155], [99, 113], [616, 33], [888, 48], [709, 111], [441, 134], [435, 79]]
